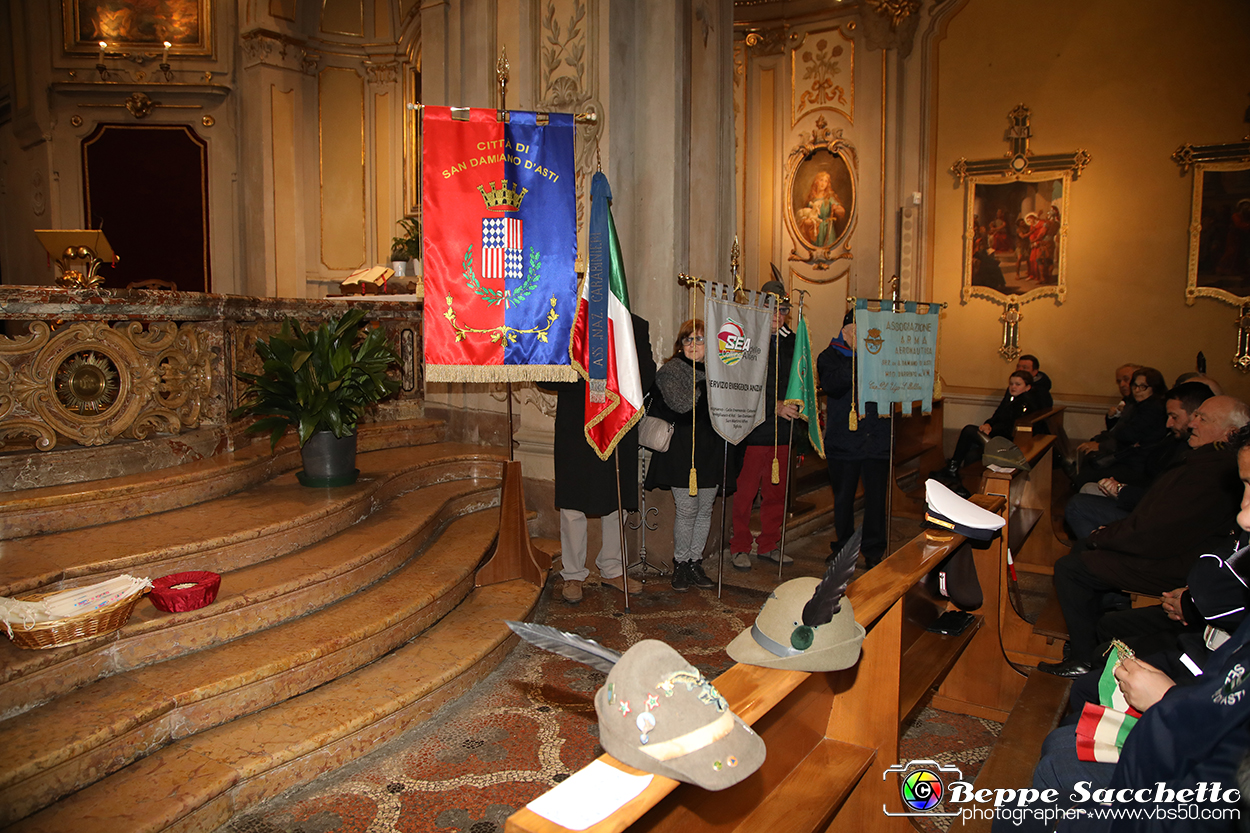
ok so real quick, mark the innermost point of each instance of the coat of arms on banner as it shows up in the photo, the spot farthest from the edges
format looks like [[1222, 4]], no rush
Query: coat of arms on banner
[[500, 238]]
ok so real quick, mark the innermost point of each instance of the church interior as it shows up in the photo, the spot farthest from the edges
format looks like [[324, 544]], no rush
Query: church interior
[[246, 160]]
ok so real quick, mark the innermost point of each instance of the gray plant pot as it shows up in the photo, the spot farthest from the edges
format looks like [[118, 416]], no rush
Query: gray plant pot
[[329, 460]]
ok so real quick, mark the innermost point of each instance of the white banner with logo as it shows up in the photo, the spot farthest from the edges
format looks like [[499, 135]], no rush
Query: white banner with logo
[[737, 360]]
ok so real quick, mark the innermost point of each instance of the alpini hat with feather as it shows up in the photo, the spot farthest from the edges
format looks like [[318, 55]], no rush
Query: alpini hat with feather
[[658, 713], [807, 624]]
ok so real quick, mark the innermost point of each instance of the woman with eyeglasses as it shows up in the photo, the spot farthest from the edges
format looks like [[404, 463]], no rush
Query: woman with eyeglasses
[[680, 396], [1122, 450]]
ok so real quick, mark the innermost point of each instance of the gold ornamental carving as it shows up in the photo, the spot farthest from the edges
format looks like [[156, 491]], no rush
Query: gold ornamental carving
[[766, 41], [822, 74], [92, 383], [896, 11], [139, 105]]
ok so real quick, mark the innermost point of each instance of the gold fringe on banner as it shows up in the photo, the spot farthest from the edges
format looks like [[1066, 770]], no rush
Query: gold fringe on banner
[[500, 373]]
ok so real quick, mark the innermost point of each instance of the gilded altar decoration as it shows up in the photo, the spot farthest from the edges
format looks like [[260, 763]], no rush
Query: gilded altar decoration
[[820, 185], [822, 74], [91, 382], [130, 28]]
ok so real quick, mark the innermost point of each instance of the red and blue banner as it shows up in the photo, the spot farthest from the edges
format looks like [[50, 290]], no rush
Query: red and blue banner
[[499, 227]]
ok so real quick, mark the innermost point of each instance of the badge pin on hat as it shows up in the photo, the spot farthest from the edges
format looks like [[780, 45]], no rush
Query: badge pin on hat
[[948, 510], [807, 624], [658, 713]]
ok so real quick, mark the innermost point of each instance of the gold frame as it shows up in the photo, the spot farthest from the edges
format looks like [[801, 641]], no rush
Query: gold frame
[[1059, 290], [831, 141], [412, 142], [1193, 291], [151, 48]]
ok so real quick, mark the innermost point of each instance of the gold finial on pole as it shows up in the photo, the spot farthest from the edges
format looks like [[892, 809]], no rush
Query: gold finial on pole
[[501, 76]]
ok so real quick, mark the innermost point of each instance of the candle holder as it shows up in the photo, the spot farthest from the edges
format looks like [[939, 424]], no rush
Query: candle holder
[[169, 74], [103, 70]]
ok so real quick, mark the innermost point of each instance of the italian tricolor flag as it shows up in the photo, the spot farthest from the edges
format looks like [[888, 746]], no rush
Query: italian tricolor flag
[[602, 346], [1104, 725]]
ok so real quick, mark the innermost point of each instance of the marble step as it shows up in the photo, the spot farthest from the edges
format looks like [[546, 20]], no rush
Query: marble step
[[199, 783], [77, 505], [252, 598], [78, 738], [224, 533]]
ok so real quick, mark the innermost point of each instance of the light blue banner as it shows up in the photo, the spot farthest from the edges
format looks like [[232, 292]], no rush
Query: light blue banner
[[894, 356]]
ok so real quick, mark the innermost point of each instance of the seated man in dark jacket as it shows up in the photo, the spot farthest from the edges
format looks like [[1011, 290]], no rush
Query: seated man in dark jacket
[[1188, 511], [1040, 389], [1114, 496]]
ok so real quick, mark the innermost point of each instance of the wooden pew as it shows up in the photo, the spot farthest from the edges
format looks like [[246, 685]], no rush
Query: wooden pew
[[1031, 538], [1049, 421], [1031, 706], [832, 737], [1015, 754]]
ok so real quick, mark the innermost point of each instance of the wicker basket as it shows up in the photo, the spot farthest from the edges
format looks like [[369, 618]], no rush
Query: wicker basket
[[72, 629]]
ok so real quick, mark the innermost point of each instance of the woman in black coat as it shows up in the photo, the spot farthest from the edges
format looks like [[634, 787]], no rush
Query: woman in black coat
[[1122, 450], [680, 397]]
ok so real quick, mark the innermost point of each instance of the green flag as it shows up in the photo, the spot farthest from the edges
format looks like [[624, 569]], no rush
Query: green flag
[[801, 389]]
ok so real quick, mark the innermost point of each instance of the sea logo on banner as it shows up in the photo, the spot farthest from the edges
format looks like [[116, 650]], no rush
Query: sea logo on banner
[[731, 342], [737, 369]]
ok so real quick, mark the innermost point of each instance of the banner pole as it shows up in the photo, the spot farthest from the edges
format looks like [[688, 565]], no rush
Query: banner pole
[[785, 507], [620, 524], [724, 499]]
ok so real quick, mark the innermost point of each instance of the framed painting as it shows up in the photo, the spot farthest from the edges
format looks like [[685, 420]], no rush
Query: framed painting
[[1219, 233], [820, 198], [1015, 237], [138, 25]]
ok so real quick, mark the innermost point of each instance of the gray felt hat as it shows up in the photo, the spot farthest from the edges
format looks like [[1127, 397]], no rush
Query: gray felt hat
[[779, 289], [774, 640], [1002, 452], [658, 714]]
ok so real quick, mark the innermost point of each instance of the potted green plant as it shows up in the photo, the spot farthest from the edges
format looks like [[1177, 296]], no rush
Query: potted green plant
[[319, 382], [408, 247]]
